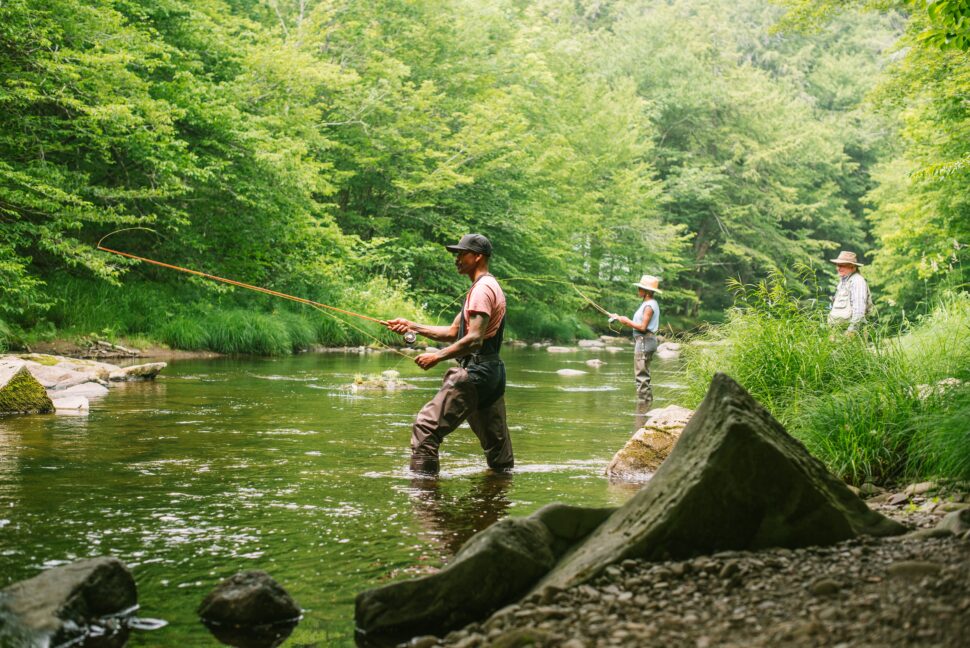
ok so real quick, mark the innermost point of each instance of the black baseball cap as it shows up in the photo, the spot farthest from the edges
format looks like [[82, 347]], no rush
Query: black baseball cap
[[472, 243]]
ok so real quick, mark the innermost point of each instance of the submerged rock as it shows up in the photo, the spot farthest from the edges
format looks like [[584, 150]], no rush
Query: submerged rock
[[57, 606], [561, 349], [734, 480], [650, 445], [20, 392], [570, 372], [495, 566]]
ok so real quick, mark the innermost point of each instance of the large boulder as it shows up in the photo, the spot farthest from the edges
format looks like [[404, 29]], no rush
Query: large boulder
[[19, 390], [57, 606], [642, 455], [58, 372], [494, 567], [735, 480]]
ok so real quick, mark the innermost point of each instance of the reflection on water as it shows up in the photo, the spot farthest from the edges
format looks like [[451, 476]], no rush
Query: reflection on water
[[264, 636], [451, 520], [231, 464]]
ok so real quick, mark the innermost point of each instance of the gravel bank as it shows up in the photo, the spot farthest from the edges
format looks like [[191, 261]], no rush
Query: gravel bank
[[908, 591]]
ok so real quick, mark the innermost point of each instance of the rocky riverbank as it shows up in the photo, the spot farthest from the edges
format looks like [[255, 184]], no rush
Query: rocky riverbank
[[912, 590]]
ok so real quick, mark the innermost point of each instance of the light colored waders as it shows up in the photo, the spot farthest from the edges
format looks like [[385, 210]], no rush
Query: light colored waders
[[644, 348]]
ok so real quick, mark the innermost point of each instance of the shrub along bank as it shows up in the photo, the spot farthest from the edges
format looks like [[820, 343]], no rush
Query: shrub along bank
[[888, 405]]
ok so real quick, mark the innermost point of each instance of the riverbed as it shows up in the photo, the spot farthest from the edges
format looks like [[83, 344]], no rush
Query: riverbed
[[229, 464]]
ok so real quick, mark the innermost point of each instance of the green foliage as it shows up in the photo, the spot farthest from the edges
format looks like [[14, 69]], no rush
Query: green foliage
[[922, 214], [541, 323], [868, 406], [919, 210], [318, 147], [5, 335], [950, 24]]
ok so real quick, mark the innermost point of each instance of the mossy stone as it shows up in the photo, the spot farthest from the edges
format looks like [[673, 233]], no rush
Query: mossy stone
[[23, 394]]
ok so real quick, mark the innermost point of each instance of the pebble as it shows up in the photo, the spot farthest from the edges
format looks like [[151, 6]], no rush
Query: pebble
[[908, 590]]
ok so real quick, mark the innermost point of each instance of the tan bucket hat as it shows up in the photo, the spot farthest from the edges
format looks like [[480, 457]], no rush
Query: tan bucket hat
[[846, 257], [649, 282]]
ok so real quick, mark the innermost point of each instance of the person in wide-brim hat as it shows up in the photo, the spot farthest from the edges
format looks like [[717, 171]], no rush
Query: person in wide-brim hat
[[852, 301], [649, 283], [847, 258], [645, 324]]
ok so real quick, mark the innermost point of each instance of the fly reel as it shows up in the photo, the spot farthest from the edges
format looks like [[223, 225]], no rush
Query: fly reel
[[410, 338]]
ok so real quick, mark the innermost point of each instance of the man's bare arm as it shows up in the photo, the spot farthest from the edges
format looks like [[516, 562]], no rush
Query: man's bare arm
[[436, 333], [470, 343]]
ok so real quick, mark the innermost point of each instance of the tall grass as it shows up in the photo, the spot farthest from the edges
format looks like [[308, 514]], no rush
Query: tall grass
[[855, 401], [5, 335], [196, 317]]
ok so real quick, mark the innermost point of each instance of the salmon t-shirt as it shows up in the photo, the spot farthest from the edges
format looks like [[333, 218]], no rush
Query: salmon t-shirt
[[486, 297]]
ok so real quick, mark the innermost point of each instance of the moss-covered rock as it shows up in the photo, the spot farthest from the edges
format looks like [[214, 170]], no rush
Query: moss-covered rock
[[20, 393], [387, 383]]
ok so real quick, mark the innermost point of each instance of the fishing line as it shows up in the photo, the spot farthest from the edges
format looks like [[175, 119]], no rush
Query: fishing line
[[232, 282], [579, 292]]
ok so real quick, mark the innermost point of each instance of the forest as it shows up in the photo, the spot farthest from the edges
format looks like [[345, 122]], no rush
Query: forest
[[327, 149]]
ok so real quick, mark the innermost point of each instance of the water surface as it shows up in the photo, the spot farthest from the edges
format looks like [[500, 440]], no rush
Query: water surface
[[233, 464]]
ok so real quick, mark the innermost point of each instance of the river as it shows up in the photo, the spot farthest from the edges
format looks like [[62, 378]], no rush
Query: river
[[271, 463]]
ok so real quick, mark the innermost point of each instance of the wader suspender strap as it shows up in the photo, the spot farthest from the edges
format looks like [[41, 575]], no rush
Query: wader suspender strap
[[492, 345]]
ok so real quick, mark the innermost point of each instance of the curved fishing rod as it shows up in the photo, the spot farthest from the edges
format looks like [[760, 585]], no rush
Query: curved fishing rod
[[409, 337]]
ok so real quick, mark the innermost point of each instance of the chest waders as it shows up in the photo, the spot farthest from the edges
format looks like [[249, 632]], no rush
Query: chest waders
[[472, 391], [485, 368]]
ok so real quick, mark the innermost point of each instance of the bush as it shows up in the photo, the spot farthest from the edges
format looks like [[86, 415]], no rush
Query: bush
[[859, 403]]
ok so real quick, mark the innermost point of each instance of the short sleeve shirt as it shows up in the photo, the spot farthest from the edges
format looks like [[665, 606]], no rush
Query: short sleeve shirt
[[486, 297]]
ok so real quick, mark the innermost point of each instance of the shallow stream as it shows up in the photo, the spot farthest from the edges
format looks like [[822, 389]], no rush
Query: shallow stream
[[233, 464]]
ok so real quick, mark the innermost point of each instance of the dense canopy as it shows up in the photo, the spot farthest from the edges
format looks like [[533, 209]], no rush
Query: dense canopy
[[328, 148]]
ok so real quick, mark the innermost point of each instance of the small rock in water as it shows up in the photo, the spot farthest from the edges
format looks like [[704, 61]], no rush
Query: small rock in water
[[71, 405], [379, 383], [250, 598], [560, 349], [570, 372]]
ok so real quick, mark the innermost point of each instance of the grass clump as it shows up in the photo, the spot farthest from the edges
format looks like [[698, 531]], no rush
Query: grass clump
[[857, 402], [5, 336]]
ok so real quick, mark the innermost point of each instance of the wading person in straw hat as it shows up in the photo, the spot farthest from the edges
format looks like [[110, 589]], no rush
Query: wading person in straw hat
[[852, 301], [645, 324], [474, 390]]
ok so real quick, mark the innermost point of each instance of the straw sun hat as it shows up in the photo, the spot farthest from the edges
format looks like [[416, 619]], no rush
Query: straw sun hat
[[846, 257], [649, 283]]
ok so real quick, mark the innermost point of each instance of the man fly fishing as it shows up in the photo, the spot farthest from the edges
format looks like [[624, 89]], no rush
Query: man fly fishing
[[475, 389]]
